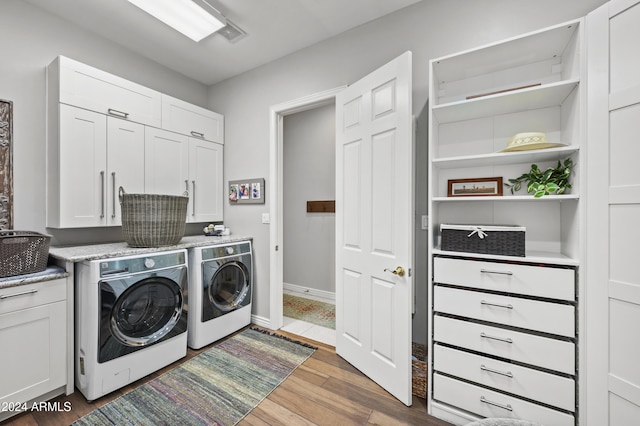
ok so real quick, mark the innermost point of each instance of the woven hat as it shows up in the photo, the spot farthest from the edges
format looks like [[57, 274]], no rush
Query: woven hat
[[529, 141]]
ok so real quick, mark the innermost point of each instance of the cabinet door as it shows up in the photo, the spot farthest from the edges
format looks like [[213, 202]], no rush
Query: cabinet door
[[83, 161], [205, 179], [36, 362], [87, 87], [191, 120], [166, 166], [125, 163]]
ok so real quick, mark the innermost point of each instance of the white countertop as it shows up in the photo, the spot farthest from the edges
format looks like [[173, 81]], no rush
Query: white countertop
[[104, 251]]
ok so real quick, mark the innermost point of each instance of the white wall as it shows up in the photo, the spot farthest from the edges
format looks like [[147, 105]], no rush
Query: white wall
[[31, 39], [430, 29], [309, 157]]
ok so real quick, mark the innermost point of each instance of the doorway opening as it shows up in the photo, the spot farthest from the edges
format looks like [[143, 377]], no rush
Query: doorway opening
[[322, 102]]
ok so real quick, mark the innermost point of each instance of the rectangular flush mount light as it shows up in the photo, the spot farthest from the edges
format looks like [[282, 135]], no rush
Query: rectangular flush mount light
[[196, 19]]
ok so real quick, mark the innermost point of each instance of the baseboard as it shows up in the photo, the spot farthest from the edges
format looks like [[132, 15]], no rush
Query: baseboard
[[262, 322], [322, 294]]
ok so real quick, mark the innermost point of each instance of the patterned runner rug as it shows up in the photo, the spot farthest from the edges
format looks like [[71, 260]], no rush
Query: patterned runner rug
[[308, 310], [217, 387]]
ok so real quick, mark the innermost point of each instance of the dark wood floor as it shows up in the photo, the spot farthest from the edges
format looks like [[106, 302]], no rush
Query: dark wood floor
[[324, 390]]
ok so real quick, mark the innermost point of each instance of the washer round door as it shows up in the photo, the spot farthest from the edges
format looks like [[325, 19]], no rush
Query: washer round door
[[228, 289], [146, 312]]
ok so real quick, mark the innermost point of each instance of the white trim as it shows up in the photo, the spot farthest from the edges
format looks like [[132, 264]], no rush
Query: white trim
[[327, 296], [260, 321], [276, 114]]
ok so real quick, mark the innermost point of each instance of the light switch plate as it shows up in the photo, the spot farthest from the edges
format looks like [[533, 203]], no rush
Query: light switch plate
[[266, 218], [425, 222]]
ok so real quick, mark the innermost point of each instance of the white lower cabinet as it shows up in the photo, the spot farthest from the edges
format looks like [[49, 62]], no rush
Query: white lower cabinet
[[33, 332], [504, 339]]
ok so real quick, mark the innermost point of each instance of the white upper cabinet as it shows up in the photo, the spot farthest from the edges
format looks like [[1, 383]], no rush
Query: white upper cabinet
[[191, 120], [96, 90]]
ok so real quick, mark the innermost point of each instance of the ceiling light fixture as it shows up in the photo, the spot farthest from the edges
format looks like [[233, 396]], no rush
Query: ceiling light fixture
[[196, 19]]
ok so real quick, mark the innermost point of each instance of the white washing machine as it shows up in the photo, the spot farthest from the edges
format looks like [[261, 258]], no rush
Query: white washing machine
[[220, 290], [130, 320]]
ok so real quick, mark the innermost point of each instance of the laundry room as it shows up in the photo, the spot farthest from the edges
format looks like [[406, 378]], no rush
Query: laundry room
[[443, 90]]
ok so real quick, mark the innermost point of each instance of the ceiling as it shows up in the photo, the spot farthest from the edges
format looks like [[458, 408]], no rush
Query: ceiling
[[274, 28]]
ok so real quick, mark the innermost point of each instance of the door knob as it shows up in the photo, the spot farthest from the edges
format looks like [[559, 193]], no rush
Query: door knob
[[399, 271]]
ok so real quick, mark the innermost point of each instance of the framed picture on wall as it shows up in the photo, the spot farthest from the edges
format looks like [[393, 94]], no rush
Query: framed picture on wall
[[246, 191]]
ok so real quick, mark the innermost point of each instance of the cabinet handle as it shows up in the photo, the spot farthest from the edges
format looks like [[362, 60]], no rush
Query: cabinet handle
[[117, 113], [7, 296], [491, 370], [102, 194], [489, 271], [499, 305], [501, 339], [193, 206], [113, 178], [495, 404], [197, 134]]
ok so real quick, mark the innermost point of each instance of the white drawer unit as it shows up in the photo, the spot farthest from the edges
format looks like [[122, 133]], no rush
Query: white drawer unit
[[552, 354], [551, 389], [554, 283], [191, 120], [87, 87], [488, 403], [504, 339], [519, 312]]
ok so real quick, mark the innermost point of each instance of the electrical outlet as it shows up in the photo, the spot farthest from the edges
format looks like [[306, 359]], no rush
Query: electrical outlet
[[425, 222]]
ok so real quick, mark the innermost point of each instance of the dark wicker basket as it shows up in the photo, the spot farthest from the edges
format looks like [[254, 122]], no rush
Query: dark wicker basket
[[23, 252], [153, 220], [485, 239]]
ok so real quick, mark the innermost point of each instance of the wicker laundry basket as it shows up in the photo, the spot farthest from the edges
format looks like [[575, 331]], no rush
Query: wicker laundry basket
[[153, 220], [23, 252]]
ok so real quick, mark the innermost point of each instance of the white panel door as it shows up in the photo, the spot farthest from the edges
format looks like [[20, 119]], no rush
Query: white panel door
[[374, 213], [205, 181], [83, 162], [125, 163], [613, 209], [166, 162]]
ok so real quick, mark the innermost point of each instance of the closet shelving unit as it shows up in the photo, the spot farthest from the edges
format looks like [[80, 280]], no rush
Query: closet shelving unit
[[479, 99]]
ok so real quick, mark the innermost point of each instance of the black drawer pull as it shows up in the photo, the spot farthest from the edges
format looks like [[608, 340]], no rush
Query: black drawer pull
[[491, 370], [495, 404]]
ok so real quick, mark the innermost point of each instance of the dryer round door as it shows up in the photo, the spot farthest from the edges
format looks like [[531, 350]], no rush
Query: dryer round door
[[146, 312], [229, 287]]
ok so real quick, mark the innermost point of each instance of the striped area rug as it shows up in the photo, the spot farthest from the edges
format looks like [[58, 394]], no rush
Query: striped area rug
[[217, 387]]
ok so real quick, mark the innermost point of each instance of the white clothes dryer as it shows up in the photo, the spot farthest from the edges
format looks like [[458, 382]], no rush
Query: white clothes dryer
[[131, 318], [220, 290]]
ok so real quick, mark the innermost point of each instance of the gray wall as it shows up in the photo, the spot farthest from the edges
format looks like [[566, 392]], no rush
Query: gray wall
[[309, 151], [430, 29], [31, 39]]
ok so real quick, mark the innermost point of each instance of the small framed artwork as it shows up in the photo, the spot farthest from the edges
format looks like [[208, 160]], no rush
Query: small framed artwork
[[247, 191], [490, 186]]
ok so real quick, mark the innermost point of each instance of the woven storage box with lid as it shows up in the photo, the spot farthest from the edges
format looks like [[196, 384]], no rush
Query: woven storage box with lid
[[23, 252], [504, 240], [153, 220]]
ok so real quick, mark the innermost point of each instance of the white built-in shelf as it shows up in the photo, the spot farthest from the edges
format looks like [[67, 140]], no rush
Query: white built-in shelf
[[544, 257], [544, 96], [503, 158], [511, 53], [506, 198]]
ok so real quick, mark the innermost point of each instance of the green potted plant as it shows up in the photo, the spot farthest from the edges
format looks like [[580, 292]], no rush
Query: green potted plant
[[552, 180]]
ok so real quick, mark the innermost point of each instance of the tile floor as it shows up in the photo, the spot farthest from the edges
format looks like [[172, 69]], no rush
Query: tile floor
[[308, 330]]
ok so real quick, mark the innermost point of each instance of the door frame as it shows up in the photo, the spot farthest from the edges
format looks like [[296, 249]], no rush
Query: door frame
[[276, 228]]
